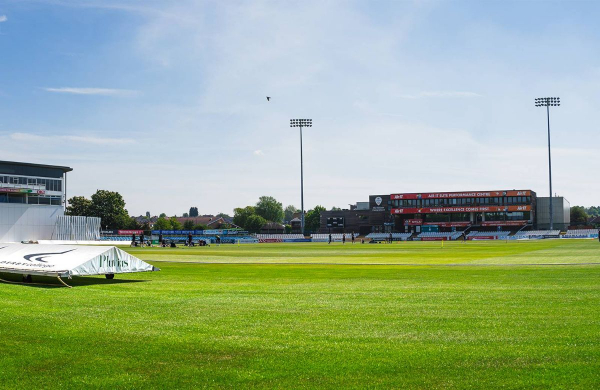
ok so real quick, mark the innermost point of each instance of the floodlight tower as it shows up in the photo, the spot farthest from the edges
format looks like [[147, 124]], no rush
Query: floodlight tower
[[301, 123], [547, 102]]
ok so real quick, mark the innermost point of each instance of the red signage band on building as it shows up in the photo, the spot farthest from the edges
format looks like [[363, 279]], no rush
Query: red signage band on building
[[413, 222], [467, 209], [22, 190], [504, 223], [128, 232], [448, 224], [469, 194]]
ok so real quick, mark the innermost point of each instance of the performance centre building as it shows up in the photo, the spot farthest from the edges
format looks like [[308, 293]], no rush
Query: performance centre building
[[32, 198], [509, 210]]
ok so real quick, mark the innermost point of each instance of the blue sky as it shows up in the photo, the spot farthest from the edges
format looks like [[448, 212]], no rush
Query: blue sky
[[164, 101]]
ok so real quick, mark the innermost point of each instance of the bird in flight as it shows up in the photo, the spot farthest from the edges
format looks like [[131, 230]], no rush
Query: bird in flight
[[268, 98]]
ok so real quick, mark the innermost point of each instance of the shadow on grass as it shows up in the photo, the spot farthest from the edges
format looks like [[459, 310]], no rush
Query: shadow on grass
[[50, 282]]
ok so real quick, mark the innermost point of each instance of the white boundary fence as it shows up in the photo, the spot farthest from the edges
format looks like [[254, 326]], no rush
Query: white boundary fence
[[69, 227]]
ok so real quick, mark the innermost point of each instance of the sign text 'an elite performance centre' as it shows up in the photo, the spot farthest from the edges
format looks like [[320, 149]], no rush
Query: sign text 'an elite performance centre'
[[450, 195]]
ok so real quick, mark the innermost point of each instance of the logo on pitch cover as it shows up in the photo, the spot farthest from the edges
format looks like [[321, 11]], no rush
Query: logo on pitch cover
[[40, 256]]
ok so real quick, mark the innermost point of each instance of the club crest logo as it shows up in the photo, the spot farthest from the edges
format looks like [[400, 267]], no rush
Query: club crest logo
[[378, 201]]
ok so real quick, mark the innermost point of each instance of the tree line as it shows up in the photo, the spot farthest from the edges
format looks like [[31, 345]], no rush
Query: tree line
[[581, 215], [268, 209], [110, 207]]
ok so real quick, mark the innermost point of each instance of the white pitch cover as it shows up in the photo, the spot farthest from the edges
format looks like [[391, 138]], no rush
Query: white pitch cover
[[68, 260]]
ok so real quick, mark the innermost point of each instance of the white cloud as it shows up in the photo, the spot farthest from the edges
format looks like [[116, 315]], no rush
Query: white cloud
[[3, 18], [74, 138], [94, 91], [442, 94], [258, 153]]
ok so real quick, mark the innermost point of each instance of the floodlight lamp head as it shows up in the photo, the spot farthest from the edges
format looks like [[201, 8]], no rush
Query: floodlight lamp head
[[300, 122], [547, 102]]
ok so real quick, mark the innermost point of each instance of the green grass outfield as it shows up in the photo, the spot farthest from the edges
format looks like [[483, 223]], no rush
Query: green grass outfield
[[475, 315]]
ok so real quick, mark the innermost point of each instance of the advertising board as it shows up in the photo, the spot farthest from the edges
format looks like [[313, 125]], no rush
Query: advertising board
[[448, 224], [468, 209], [129, 232], [504, 223]]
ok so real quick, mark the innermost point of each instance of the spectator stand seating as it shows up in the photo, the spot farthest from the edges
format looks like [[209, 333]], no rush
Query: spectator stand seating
[[581, 233], [297, 237], [435, 236], [495, 235]]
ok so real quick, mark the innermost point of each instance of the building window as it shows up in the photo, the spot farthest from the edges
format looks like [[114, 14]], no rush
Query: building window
[[12, 198]]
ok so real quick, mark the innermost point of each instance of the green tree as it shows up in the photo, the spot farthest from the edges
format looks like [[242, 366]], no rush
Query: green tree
[[240, 215], [593, 211], [110, 207], [578, 215], [175, 224], [79, 205], [189, 225], [223, 215], [162, 224], [254, 223], [193, 211], [336, 209], [312, 222], [162, 215], [200, 227], [185, 215], [288, 213], [270, 209], [147, 214]]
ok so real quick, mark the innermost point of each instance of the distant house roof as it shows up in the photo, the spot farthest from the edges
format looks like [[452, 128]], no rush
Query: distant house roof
[[273, 226], [143, 219], [201, 220], [208, 220]]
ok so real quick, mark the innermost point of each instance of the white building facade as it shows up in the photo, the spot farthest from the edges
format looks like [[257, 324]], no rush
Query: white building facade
[[32, 196]]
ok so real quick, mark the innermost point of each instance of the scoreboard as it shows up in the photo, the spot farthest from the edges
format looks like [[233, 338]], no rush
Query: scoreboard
[[335, 222]]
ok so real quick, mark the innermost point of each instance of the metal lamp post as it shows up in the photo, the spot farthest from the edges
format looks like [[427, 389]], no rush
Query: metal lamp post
[[301, 123], [547, 102]]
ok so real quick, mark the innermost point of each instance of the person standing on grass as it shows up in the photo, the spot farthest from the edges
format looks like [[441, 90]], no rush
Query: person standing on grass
[[142, 240], [329, 238], [352, 238], [133, 239], [190, 240], [343, 238], [390, 238]]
